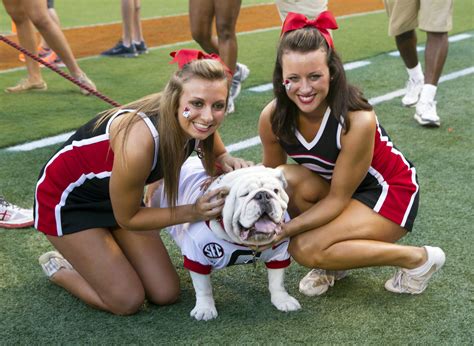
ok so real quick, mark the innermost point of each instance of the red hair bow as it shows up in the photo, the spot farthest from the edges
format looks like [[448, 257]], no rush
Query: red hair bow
[[185, 56], [324, 22]]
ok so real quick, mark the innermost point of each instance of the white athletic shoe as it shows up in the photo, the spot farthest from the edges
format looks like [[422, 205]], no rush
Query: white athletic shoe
[[241, 73], [52, 261], [12, 216], [318, 281], [426, 114], [403, 282], [412, 92]]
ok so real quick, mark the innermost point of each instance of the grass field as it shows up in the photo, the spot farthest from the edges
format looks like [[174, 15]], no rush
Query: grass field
[[357, 310]]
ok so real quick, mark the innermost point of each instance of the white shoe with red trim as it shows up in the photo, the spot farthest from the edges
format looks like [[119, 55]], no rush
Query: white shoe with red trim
[[12, 216]]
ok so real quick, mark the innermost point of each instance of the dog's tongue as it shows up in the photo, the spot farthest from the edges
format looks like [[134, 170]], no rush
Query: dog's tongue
[[265, 225]]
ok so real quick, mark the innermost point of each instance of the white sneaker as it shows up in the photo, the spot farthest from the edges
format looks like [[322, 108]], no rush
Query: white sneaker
[[404, 282], [426, 114], [241, 73], [52, 261], [230, 106], [412, 92], [318, 281], [12, 216]]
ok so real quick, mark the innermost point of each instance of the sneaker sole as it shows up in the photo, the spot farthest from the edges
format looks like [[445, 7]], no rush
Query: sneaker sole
[[426, 123], [16, 225]]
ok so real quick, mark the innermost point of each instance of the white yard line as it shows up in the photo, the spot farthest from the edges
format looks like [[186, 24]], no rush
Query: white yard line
[[247, 143]]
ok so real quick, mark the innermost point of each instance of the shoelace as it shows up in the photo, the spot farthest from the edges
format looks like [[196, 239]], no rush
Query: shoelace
[[322, 276], [397, 279]]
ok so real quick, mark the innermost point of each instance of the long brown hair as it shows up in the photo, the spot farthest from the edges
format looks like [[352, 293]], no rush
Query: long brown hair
[[342, 96], [164, 107]]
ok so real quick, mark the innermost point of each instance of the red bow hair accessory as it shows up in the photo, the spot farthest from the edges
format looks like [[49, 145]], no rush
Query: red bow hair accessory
[[325, 21], [185, 56]]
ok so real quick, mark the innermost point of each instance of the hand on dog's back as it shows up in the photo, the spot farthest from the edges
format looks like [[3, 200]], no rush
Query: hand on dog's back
[[210, 205]]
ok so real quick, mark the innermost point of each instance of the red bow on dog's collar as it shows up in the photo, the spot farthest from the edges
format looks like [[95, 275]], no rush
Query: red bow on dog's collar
[[185, 56], [325, 21]]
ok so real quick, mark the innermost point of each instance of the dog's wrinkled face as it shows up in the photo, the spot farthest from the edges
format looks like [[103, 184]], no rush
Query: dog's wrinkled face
[[255, 206]]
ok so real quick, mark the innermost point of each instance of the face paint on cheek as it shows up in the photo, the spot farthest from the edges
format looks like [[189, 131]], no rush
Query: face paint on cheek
[[186, 112], [287, 85]]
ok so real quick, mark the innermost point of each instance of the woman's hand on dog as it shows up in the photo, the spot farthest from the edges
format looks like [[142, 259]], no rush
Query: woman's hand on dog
[[210, 205], [227, 163]]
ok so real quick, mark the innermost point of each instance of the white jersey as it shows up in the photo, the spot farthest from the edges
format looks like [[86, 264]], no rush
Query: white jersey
[[201, 248]]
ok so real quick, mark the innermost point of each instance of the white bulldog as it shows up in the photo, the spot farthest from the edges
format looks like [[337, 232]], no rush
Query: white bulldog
[[253, 212]]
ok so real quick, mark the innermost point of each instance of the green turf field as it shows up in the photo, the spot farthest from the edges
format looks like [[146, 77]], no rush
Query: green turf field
[[357, 310]]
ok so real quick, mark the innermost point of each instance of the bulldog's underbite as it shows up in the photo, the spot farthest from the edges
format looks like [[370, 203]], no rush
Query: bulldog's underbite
[[252, 216]]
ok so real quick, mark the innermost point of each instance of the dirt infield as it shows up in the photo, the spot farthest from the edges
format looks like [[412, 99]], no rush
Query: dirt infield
[[91, 40]]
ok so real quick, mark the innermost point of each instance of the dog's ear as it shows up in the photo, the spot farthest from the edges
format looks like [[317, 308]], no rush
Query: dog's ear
[[279, 174]]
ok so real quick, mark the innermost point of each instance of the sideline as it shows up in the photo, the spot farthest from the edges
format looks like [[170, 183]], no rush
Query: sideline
[[247, 143]]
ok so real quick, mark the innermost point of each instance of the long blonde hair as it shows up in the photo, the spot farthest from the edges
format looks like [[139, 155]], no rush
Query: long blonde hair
[[164, 107]]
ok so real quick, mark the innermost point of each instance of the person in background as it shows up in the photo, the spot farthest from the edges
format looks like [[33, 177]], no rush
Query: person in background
[[132, 43], [25, 14], [89, 196], [308, 8], [201, 16], [44, 52], [13, 216], [352, 192], [435, 17]]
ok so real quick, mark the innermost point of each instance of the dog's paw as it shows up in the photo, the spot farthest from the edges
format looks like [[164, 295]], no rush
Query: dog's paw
[[206, 312], [284, 302]]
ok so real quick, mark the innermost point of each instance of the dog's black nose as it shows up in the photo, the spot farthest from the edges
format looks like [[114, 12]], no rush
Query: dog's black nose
[[262, 196]]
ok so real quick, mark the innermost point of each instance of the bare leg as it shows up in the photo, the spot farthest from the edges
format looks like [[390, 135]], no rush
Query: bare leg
[[137, 24], [127, 22], [102, 275], [149, 257], [227, 13], [38, 13], [435, 56], [358, 237], [52, 12], [26, 36], [201, 13], [406, 44]]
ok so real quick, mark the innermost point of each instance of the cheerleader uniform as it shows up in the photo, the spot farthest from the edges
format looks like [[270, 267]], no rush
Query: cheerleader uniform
[[72, 193], [390, 187]]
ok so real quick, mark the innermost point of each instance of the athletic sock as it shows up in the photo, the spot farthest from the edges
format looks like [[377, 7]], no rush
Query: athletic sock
[[428, 93], [416, 72], [418, 271]]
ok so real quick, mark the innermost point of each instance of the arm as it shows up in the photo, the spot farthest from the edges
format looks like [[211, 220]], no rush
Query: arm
[[132, 164], [351, 167], [273, 153]]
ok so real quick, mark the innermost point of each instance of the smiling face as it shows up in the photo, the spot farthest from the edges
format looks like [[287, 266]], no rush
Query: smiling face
[[309, 76], [205, 101]]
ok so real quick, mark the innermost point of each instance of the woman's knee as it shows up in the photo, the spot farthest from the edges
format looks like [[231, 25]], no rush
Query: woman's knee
[[40, 20], [202, 37], [165, 294], [125, 302], [225, 32], [306, 253]]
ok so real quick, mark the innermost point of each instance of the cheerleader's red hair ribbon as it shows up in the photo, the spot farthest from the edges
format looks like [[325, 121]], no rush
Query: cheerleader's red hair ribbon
[[185, 56], [325, 21]]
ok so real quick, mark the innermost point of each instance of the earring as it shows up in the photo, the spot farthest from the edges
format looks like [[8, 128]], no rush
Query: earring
[[287, 85], [186, 112]]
